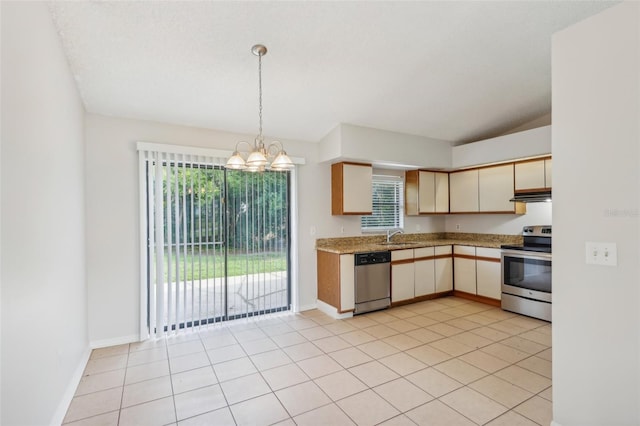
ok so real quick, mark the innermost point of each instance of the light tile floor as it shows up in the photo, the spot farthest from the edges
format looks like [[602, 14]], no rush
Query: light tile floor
[[447, 362]]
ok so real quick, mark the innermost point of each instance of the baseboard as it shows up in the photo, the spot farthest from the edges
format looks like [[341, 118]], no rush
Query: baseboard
[[332, 311], [307, 307], [95, 344], [68, 394], [554, 423]]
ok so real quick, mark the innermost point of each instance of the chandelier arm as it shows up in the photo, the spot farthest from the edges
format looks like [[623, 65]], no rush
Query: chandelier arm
[[260, 93]]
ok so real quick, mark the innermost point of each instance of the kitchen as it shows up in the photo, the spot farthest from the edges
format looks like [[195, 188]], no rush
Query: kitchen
[[585, 342]]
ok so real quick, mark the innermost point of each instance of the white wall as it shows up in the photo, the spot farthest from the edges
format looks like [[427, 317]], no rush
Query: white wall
[[509, 224], [44, 315], [596, 156]]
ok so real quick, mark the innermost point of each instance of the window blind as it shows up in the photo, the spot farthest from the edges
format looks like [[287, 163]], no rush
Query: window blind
[[388, 204]]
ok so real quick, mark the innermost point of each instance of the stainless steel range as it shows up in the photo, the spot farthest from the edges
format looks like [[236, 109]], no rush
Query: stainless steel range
[[526, 274]]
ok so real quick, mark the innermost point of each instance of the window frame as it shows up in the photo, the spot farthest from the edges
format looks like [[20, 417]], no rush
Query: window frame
[[398, 204]]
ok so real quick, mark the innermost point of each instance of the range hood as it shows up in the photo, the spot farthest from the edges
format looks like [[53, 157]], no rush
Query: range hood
[[533, 197]]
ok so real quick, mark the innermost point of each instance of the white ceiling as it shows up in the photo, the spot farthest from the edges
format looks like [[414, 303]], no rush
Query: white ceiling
[[456, 71]]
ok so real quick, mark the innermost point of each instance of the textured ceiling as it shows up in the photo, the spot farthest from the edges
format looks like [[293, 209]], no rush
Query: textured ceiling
[[456, 71]]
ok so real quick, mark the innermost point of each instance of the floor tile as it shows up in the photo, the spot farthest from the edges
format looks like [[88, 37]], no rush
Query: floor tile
[[218, 340], [110, 351], [403, 394], [253, 347], [361, 321], [302, 398], [460, 371], [434, 382], [435, 413], [277, 329], [473, 405], [289, 339], [340, 385], [158, 412], [286, 375], [402, 363], [327, 415], [94, 403], [428, 354], [193, 379], [107, 419], [378, 349], [315, 333], [331, 344], [463, 323], [266, 360], [233, 369], [140, 392], [546, 354], [511, 418], [380, 331], [101, 365], [490, 333], [350, 357], [199, 401], [537, 409], [508, 327], [225, 353], [402, 342], [401, 420], [484, 361], [422, 321], [302, 351], [401, 312], [524, 378], [450, 346], [445, 329], [524, 345], [188, 362], [147, 356], [504, 352], [219, 417], [402, 326], [537, 365], [100, 381], [373, 373], [244, 388], [319, 366], [357, 337], [538, 337], [261, 411], [471, 339], [501, 391], [302, 324], [141, 372], [424, 335], [147, 345], [248, 335], [186, 348], [547, 393], [367, 408], [439, 316]]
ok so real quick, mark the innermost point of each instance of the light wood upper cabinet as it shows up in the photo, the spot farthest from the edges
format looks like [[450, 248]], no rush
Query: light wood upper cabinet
[[426, 192], [534, 175], [351, 185], [496, 188], [463, 191]]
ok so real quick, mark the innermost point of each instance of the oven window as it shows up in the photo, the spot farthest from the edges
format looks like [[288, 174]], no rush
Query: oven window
[[532, 274]]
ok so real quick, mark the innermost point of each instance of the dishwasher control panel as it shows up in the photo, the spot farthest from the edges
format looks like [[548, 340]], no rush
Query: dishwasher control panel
[[372, 258]]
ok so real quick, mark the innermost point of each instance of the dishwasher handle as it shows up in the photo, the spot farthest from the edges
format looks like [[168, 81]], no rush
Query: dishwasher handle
[[372, 258]]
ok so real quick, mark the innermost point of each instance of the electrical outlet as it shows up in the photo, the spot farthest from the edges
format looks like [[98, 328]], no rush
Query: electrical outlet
[[457, 226], [605, 254], [342, 229]]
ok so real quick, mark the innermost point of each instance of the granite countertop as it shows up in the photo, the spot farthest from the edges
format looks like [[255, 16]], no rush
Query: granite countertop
[[369, 243]]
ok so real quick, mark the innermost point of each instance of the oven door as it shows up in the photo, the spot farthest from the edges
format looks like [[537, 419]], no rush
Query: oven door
[[526, 274]]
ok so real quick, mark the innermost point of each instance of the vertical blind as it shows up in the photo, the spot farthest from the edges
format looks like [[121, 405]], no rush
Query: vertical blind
[[388, 204], [216, 242]]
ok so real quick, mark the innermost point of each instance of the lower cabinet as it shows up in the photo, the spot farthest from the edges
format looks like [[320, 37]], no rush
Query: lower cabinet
[[477, 271], [336, 280], [421, 272], [402, 275]]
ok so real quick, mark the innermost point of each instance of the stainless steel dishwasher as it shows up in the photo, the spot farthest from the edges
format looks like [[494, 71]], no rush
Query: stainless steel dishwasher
[[372, 281]]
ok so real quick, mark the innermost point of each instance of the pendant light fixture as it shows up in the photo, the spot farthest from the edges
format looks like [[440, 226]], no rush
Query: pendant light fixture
[[258, 156]]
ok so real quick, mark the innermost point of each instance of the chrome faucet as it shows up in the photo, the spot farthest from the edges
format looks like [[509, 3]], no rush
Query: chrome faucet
[[391, 234]]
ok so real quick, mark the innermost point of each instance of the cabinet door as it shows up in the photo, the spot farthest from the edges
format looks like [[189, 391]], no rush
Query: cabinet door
[[351, 188], [402, 277], [442, 192], [464, 269], [488, 272], [426, 192], [347, 282], [443, 274], [496, 188], [463, 191], [529, 175], [424, 271], [547, 173]]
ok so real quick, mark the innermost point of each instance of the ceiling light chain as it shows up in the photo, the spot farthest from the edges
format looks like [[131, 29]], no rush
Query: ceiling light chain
[[257, 159]]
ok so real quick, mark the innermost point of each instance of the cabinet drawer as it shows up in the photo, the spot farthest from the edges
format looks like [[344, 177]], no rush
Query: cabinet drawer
[[401, 254], [442, 250], [467, 250], [423, 252], [488, 252]]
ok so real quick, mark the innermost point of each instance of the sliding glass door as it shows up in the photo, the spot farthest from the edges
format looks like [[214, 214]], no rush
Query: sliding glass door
[[217, 242]]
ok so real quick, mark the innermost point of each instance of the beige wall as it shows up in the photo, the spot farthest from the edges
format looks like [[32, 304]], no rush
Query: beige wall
[[596, 163], [44, 309]]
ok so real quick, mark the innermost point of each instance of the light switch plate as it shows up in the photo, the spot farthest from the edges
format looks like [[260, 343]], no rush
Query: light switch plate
[[605, 254]]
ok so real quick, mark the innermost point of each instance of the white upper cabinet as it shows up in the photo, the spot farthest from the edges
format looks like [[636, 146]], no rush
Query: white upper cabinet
[[426, 192], [463, 191], [351, 191], [496, 188], [533, 175]]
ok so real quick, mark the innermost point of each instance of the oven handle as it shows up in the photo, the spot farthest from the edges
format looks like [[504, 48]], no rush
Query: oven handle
[[523, 254]]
